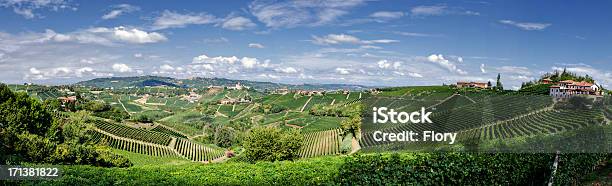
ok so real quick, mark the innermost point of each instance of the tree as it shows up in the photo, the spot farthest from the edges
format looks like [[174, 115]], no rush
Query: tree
[[272, 144], [96, 106], [225, 137], [351, 125], [30, 133], [499, 86], [75, 128]]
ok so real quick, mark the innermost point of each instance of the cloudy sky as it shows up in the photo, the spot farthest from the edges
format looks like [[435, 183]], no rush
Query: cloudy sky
[[366, 42]]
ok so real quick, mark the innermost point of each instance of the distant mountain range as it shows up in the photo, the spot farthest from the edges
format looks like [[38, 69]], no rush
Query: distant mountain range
[[199, 82]]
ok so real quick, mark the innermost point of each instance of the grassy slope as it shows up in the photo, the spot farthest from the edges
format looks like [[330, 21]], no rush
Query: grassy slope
[[141, 160], [307, 172]]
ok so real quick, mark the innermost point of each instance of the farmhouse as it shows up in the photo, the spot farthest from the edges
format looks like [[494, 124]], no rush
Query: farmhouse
[[70, 99], [237, 87], [472, 84], [374, 91], [569, 88], [310, 92], [281, 91], [230, 101], [547, 81], [192, 97]]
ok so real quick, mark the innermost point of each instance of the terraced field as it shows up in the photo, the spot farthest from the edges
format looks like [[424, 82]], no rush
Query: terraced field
[[321, 143], [131, 145], [163, 129], [546, 122], [464, 117], [134, 133], [197, 152]]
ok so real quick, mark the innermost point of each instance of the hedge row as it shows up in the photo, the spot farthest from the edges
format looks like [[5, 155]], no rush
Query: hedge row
[[370, 169], [464, 169]]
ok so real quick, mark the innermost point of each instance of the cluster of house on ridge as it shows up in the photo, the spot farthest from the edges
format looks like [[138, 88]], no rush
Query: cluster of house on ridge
[[568, 88], [283, 91], [561, 90]]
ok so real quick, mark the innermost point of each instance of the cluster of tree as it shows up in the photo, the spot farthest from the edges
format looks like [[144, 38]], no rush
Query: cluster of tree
[[537, 89], [206, 108], [498, 84], [104, 110], [98, 108], [576, 102], [242, 124], [335, 110], [30, 133], [557, 76], [351, 125], [271, 108], [272, 144], [225, 137]]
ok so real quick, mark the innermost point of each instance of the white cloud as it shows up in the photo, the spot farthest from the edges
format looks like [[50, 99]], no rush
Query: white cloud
[[515, 70], [98, 35], [336, 39], [118, 10], [415, 75], [216, 40], [137, 55], [343, 71], [120, 67], [207, 67], [219, 59], [288, 14], [346, 39], [170, 19], [268, 76], [81, 71], [443, 62], [237, 23], [286, 70], [384, 64], [256, 45], [482, 68], [428, 10], [387, 15], [58, 72], [137, 36], [26, 8], [370, 47], [166, 67], [437, 10], [231, 64], [526, 25], [248, 62], [416, 34]]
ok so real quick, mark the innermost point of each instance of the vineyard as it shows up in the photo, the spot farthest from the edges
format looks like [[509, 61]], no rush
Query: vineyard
[[551, 121], [134, 133], [131, 145], [197, 152], [157, 142], [166, 130], [492, 116], [321, 143], [473, 114]]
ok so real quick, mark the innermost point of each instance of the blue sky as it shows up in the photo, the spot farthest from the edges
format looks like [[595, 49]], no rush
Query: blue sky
[[390, 43]]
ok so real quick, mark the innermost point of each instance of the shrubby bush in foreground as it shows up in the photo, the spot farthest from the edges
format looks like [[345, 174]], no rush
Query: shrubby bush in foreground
[[30, 133], [272, 144], [465, 169], [370, 169]]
